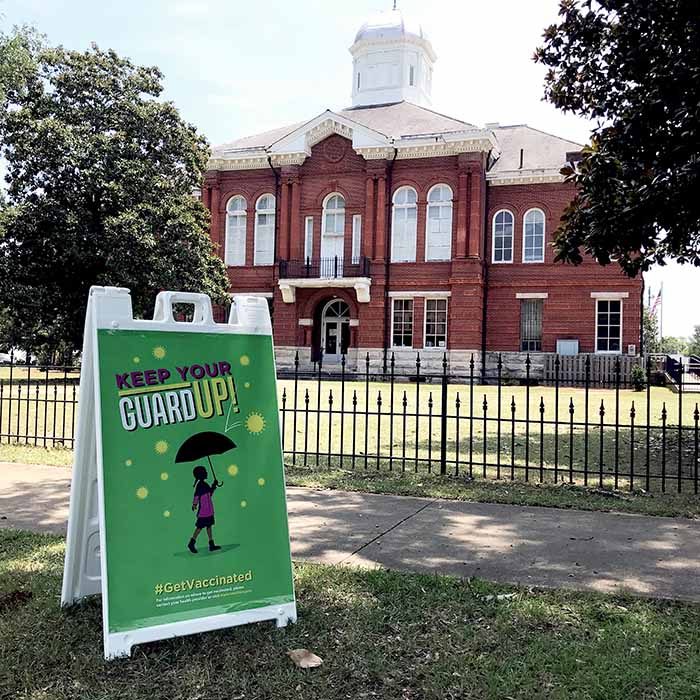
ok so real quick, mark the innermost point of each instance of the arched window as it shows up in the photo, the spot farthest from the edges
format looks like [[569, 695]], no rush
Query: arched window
[[264, 252], [503, 237], [403, 229], [332, 235], [438, 224], [334, 215], [533, 236], [236, 216]]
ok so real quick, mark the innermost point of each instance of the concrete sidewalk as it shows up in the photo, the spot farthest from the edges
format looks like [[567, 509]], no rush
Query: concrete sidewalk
[[532, 546]]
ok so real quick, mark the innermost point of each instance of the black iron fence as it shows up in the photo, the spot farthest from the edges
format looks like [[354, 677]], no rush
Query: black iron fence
[[38, 404], [381, 417]]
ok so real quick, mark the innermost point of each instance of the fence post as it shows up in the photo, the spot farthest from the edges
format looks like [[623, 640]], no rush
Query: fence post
[[443, 418]]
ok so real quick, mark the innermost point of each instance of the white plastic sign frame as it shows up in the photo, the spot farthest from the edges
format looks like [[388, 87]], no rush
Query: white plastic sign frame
[[85, 571]]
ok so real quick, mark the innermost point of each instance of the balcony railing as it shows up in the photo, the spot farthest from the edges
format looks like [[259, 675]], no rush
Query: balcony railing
[[324, 268]]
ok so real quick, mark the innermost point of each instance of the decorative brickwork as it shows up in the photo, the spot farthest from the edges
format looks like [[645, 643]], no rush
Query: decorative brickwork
[[472, 281]]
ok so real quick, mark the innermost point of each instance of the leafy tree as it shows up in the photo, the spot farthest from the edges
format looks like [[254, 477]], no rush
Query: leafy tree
[[17, 52], [101, 175], [633, 66], [650, 332], [674, 346], [694, 342]]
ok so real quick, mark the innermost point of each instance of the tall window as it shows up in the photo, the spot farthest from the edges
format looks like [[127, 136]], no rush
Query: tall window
[[503, 237], [609, 326], [334, 215], [308, 238], [264, 252], [438, 234], [403, 230], [533, 236], [435, 323], [236, 217], [531, 325], [402, 323], [356, 237]]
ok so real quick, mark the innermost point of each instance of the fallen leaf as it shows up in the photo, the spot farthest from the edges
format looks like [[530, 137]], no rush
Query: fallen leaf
[[303, 658], [500, 596]]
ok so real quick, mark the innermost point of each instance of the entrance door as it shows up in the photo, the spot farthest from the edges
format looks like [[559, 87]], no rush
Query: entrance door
[[335, 330]]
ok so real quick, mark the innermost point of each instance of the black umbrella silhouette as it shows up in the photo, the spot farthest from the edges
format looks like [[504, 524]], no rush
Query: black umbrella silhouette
[[202, 445]]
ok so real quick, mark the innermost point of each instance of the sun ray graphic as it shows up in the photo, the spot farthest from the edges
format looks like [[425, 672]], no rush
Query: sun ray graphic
[[159, 352], [255, 423]]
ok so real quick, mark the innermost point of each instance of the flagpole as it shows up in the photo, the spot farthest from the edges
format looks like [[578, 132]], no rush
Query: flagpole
[[661, 314]]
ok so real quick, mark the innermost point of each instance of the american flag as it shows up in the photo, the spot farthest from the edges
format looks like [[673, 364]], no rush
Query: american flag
[[656, 304]]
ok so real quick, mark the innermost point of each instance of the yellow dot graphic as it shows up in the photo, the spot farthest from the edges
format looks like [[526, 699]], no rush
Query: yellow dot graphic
[[255, 423], [261, 482], [164, 476], [166, 513], [141, 492], [247, 385], [245, 360], [161, 447], [136, 360], [244, 504], [233, 470], [159, 352], [128, 462]]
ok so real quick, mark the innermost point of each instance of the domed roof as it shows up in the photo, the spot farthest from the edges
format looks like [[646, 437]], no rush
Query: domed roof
[[390, 24]]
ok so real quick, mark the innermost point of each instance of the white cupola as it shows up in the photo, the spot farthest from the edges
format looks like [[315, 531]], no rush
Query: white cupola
[[392, 61]]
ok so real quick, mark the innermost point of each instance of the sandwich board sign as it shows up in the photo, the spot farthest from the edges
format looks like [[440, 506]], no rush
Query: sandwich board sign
[[178, 511]]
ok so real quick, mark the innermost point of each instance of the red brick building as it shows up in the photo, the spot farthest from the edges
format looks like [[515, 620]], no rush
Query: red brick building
[[390, 225]]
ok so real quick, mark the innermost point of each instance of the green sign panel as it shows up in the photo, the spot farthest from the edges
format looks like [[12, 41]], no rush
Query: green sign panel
[[195, 520]]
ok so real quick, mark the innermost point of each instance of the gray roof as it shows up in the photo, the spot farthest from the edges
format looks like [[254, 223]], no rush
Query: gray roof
[[393, 120], [404, 119], [540, 150]]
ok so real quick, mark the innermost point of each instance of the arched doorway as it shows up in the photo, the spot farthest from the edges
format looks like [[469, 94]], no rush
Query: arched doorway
[[335, 330]]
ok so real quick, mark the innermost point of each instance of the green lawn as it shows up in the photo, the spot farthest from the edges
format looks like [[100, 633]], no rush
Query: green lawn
[[381, 635], [478, 490]]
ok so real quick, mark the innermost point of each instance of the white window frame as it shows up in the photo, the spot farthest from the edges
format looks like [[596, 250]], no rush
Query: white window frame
[[413, 317], [425, 322], [338, 211], [308, 238], [442, 204], [257, 259], [544, 234], [608, 298], [241, 217], [512, 237], [356, 238], [403, 207]]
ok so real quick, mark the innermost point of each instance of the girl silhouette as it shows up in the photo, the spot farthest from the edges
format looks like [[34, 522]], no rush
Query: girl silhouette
[[204, 506]]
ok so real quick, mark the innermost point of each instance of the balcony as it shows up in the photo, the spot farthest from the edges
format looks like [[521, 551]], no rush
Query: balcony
[[324, 268], [325, 272]]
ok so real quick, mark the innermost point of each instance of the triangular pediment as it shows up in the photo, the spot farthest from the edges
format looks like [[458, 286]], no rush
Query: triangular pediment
[[305, 137]]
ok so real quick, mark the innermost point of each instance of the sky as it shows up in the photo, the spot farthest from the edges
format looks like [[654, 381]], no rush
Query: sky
[[236, 68]]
